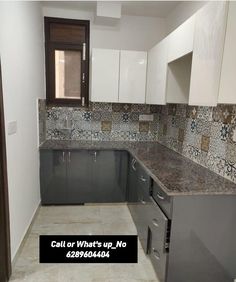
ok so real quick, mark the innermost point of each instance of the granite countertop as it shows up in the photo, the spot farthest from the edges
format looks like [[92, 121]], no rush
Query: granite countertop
[[176, 174]]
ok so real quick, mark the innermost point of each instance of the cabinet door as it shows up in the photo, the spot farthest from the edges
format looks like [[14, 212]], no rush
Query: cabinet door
[[228, 81], [132, 77], [207, 54], [157, 73], [109, 176], [105, 75], [132, 193], [79, 182], [53, 177], [181, 40]]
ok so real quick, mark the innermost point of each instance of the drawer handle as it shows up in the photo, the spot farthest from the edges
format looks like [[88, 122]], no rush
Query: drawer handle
[[143, 179], [133, 164], [155, 222], [160, 196], [156, 254]]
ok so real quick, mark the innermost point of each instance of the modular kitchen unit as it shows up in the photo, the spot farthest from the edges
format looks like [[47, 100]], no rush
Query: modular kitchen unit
[[146, 124]]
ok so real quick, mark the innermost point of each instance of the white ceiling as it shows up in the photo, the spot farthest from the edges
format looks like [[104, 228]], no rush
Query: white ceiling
[[135, 8]]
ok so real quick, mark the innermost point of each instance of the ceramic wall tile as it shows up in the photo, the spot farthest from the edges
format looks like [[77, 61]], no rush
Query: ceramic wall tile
[[205, 133], [101, 121]]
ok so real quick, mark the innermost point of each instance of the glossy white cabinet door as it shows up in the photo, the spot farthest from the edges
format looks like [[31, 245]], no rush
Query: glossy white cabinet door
[[132, 77], [156, 73], [105, 75], [207, 54], [181, 40], [227, 92]]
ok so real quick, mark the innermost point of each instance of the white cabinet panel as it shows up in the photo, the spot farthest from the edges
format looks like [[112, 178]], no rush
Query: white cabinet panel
[[181, 40], [227, 92], [105, 75], [132, 77], [156, 73], [207, 54]]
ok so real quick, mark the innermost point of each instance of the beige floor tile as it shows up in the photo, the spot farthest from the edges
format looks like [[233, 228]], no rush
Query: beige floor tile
[[72, 220]]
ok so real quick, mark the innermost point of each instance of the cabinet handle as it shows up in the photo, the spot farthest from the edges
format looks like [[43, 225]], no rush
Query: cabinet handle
[[69, 157], [143, 179], [143, 202], [160, 196], [95, 157], [84, 52], [155, 222], [133, 164], [156, 254], [63, 156]]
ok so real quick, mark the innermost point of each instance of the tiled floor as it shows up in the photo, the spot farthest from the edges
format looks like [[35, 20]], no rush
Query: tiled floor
[[76, 220]]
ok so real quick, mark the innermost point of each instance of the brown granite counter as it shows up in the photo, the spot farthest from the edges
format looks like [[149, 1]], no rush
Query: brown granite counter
[[176, 174]]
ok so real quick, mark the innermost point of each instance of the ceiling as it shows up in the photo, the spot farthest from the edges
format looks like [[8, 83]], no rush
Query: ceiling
[[135, 8]]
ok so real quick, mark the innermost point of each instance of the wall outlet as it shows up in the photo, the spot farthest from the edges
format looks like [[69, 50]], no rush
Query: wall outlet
[[146, 117], [234, 139], [12, 127]]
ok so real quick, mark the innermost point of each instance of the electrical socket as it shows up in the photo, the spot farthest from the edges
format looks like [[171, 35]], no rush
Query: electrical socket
[[146, 117], [12, 127]]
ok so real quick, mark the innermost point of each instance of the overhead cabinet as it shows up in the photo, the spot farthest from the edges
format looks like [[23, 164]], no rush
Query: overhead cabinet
[[185, 67], [227, 93], [157, 73], [118, 76], [132, 82], [181, 40], [194, 68], [105, 75], [208, 49]]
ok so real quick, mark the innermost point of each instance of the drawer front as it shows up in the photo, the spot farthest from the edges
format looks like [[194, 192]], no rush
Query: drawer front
[[144, 179], [158, 258], [158, 224], [163, 200]]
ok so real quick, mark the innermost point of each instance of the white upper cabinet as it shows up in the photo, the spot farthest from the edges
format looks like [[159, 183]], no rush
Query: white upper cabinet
[[207, 53], [227, 92], [181, 40], [156, 73], [105, 75], [132, 77]]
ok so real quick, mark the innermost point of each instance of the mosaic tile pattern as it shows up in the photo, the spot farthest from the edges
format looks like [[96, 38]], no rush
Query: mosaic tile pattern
[[203, 134], [102, 122], [42, 120]]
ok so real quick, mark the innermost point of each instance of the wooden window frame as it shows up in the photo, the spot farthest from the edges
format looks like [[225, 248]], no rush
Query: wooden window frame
[[50, 48]]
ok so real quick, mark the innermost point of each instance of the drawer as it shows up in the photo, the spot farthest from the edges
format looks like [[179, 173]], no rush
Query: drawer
[[163, 200], [158, 258], [158, 224]]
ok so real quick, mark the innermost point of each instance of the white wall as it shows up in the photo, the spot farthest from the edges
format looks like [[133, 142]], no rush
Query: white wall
[[132, 33], [182, 12], [22, 56]]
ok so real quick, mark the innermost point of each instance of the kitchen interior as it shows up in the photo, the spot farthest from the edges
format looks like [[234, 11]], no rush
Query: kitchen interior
[[120, 119]]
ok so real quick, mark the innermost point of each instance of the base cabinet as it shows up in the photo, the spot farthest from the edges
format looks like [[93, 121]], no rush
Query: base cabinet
[[82, 176]]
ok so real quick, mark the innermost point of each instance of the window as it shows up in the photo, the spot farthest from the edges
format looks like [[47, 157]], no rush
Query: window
[[67, 61]]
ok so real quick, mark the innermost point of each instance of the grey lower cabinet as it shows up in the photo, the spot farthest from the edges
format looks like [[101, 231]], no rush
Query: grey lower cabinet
[[138, 198], [83, 176], [188, 238]]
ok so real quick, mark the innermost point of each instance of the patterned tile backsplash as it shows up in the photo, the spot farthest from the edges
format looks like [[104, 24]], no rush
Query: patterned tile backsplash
[[204, 134], [100, 121]]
